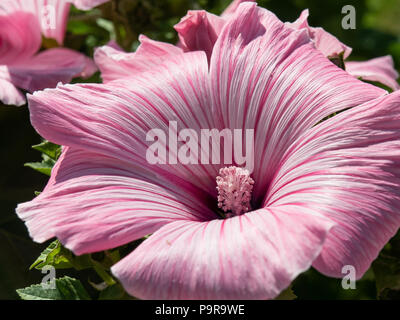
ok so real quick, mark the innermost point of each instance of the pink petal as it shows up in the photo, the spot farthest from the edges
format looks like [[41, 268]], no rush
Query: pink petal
[[199, 30], [347, 168], [9, 94], [253, 256], [51, 15], [231, 9], [379, 69], [115, 64], [93, 203], [268, 77], [328, 44], [114, 119], [19, 37], [50, 67], [87, 4]]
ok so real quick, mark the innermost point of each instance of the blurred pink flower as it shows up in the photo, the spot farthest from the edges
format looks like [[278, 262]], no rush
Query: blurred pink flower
[[22, 23], [322, 194]]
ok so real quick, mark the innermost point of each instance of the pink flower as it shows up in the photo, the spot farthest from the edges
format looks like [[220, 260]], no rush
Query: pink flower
[[378, 69], [323, 195], [199, 30], [22, 23]]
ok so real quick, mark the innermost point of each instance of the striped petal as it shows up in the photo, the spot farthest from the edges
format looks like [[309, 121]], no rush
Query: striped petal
[[253, 256], [347, 169], [268, 77], [93, 203], [114, 63], [328, 44], [199, 30], [231, 9], [115, 119], [48, 68], [379, 69]]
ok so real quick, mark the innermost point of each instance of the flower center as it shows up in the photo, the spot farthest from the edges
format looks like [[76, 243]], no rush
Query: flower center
[[234, 187]]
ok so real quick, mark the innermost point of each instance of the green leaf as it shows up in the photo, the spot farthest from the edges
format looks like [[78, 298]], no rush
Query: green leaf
[[387, 275], [387, 271], [79, 262], [52, 255], [103, 274], [81, 27], [50, 149], [114, 292], [287, 294], [108, 26], [43, 167], [61, 258], [44, 257], [66, 288]]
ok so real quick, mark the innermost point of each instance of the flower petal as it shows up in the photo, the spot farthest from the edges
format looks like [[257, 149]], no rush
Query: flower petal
[[199, 30], [19, 37], [379, 69], [268, 77], [9, 94], [231, 9], [253, 256], [347, 168], [93, 203], [51, 15], [50, 67], [116, 64], [328, 44], [87, 4], [115, 119]]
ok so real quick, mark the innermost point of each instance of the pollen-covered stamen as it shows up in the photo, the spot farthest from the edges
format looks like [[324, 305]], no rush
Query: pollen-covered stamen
[[234, 187]]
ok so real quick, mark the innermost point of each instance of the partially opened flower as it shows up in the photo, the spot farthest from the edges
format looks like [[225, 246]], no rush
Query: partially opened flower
[[22, 24], [322, 194]]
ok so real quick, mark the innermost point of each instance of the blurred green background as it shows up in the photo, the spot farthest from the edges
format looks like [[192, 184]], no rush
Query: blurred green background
[[377, 33]]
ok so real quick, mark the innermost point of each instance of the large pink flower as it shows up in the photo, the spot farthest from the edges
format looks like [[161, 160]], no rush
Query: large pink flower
[[324, 194], [22, 23], [199, 30]]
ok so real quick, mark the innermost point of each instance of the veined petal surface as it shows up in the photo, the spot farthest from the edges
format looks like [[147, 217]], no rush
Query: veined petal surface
[[379, 69], [347, 168], [253, 256], [268, 77]]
